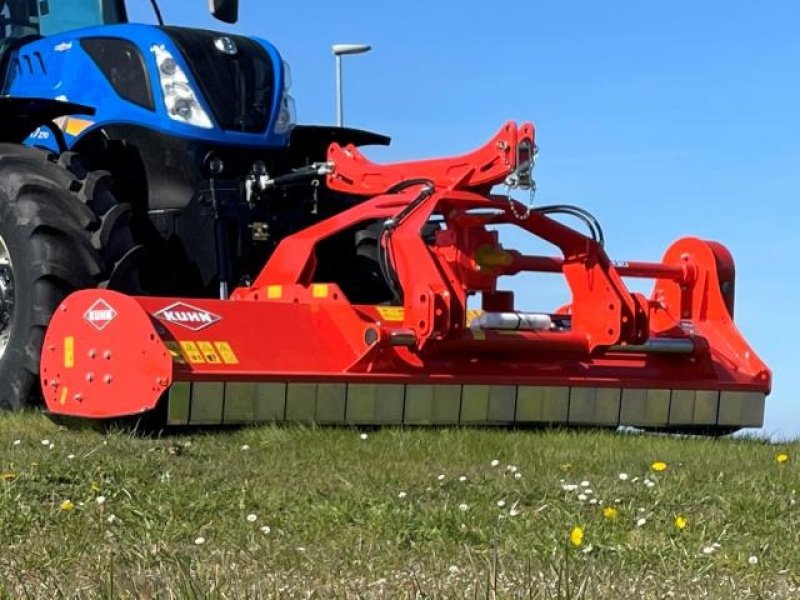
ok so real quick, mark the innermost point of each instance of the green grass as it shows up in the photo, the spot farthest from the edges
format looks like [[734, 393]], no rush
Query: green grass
[[382, 517]]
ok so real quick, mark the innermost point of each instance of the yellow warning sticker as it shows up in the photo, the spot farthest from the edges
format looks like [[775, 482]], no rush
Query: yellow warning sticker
[[193, 355], [391, 313], [227, 353], [473, 314], [209, 353], [175, 351], [274, 292], [319, 290], [63, 399], [69, 352]]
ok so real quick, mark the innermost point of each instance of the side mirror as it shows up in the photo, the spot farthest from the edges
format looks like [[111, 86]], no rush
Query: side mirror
[[224, 10]]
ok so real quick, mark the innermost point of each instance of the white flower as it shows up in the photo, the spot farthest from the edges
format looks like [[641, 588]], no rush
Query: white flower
[[569, 487], [440, 478], [709, 550], [495, 462], [100, 499], [753, 560], [623, 477], [251, 518], [111, 518], [17, 442], [649, 483], [51, 446], [582, 497], [513, 512], [617, 500], [512, 468], [265, 529], [501, 503], [401, 495], [199, 541], [588, 491], [463, 507], [593, 501], [641, 522], [45, 442], [588, 549], [453, 570], [301, 549], [585, 484], [363, 436], [70, 457], [244, 448], [462, 479], [517, 475]]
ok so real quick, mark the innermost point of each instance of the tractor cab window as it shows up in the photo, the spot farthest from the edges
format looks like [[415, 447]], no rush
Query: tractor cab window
[[22, 18]]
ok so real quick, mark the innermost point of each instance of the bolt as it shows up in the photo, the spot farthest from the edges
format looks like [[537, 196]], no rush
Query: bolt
[[78, 397], [107, 379], [92, 353], [90, 377], [162, 381], [54, 383], [107, 354]]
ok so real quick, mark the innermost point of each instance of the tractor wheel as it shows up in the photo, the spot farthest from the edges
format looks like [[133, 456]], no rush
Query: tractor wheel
[[61, 229]]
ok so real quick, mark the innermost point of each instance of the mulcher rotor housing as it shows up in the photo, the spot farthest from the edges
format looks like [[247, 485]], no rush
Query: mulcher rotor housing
[[291, 346]]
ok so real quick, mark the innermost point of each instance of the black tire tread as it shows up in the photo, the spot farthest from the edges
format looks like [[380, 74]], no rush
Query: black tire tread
[[74, 233]]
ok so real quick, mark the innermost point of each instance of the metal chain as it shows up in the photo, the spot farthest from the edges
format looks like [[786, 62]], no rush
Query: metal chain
[[522, 216]]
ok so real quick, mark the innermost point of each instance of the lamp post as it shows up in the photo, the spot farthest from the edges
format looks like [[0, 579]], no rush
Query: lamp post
[[340, 50]]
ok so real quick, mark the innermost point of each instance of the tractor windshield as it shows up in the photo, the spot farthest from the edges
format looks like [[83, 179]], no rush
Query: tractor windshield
[[21, 18]]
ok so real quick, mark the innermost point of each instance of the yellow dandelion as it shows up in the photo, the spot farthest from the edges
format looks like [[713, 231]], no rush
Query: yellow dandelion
[[609, 512], [566, 466], [8, 476], [94, 487], [782, 458], [680, 522], [659, 466], [67, 505], [576, 536]]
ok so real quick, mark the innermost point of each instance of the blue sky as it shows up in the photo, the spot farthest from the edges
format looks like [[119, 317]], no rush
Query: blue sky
[[663, 119]]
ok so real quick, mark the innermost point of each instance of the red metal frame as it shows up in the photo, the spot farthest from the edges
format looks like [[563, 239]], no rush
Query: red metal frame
[[289, 326]]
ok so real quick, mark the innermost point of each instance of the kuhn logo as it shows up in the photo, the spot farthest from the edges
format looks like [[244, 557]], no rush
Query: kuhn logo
[[100, 314], [187, 316]]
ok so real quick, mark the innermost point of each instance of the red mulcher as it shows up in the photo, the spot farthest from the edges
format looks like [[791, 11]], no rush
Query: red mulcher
[[291, 347]]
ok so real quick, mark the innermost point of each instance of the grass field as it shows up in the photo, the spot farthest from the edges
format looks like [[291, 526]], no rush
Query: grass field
[[302, 513]]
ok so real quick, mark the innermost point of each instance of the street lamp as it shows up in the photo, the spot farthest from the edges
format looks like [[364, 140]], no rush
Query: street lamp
[[340, 50]]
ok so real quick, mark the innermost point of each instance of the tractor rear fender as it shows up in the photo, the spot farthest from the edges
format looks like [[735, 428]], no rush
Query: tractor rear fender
[[20, 116]]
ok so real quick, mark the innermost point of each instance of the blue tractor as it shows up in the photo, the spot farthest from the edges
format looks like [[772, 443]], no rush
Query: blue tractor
[[150, 159]]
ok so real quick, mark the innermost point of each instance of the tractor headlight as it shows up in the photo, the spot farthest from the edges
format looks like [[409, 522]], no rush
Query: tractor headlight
[[179, 97], [287, 116]]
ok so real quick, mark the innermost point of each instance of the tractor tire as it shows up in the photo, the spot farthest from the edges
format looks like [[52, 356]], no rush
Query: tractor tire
[[61, 230]]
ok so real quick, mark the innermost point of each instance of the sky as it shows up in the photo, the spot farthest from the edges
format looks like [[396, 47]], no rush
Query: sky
[[664, 119]]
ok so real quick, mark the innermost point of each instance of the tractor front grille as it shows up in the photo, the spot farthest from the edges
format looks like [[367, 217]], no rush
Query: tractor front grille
[[239, 87]]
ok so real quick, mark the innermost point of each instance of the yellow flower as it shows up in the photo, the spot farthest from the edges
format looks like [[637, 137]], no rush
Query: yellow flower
[[94, 487], [782, 458], [659, 466], [67, 505], [609, 512], [680, 521], [566, 466], [576, 536], [8, 476]]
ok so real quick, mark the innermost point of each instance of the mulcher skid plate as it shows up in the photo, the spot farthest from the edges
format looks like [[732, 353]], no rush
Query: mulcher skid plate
[[293, 348]]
